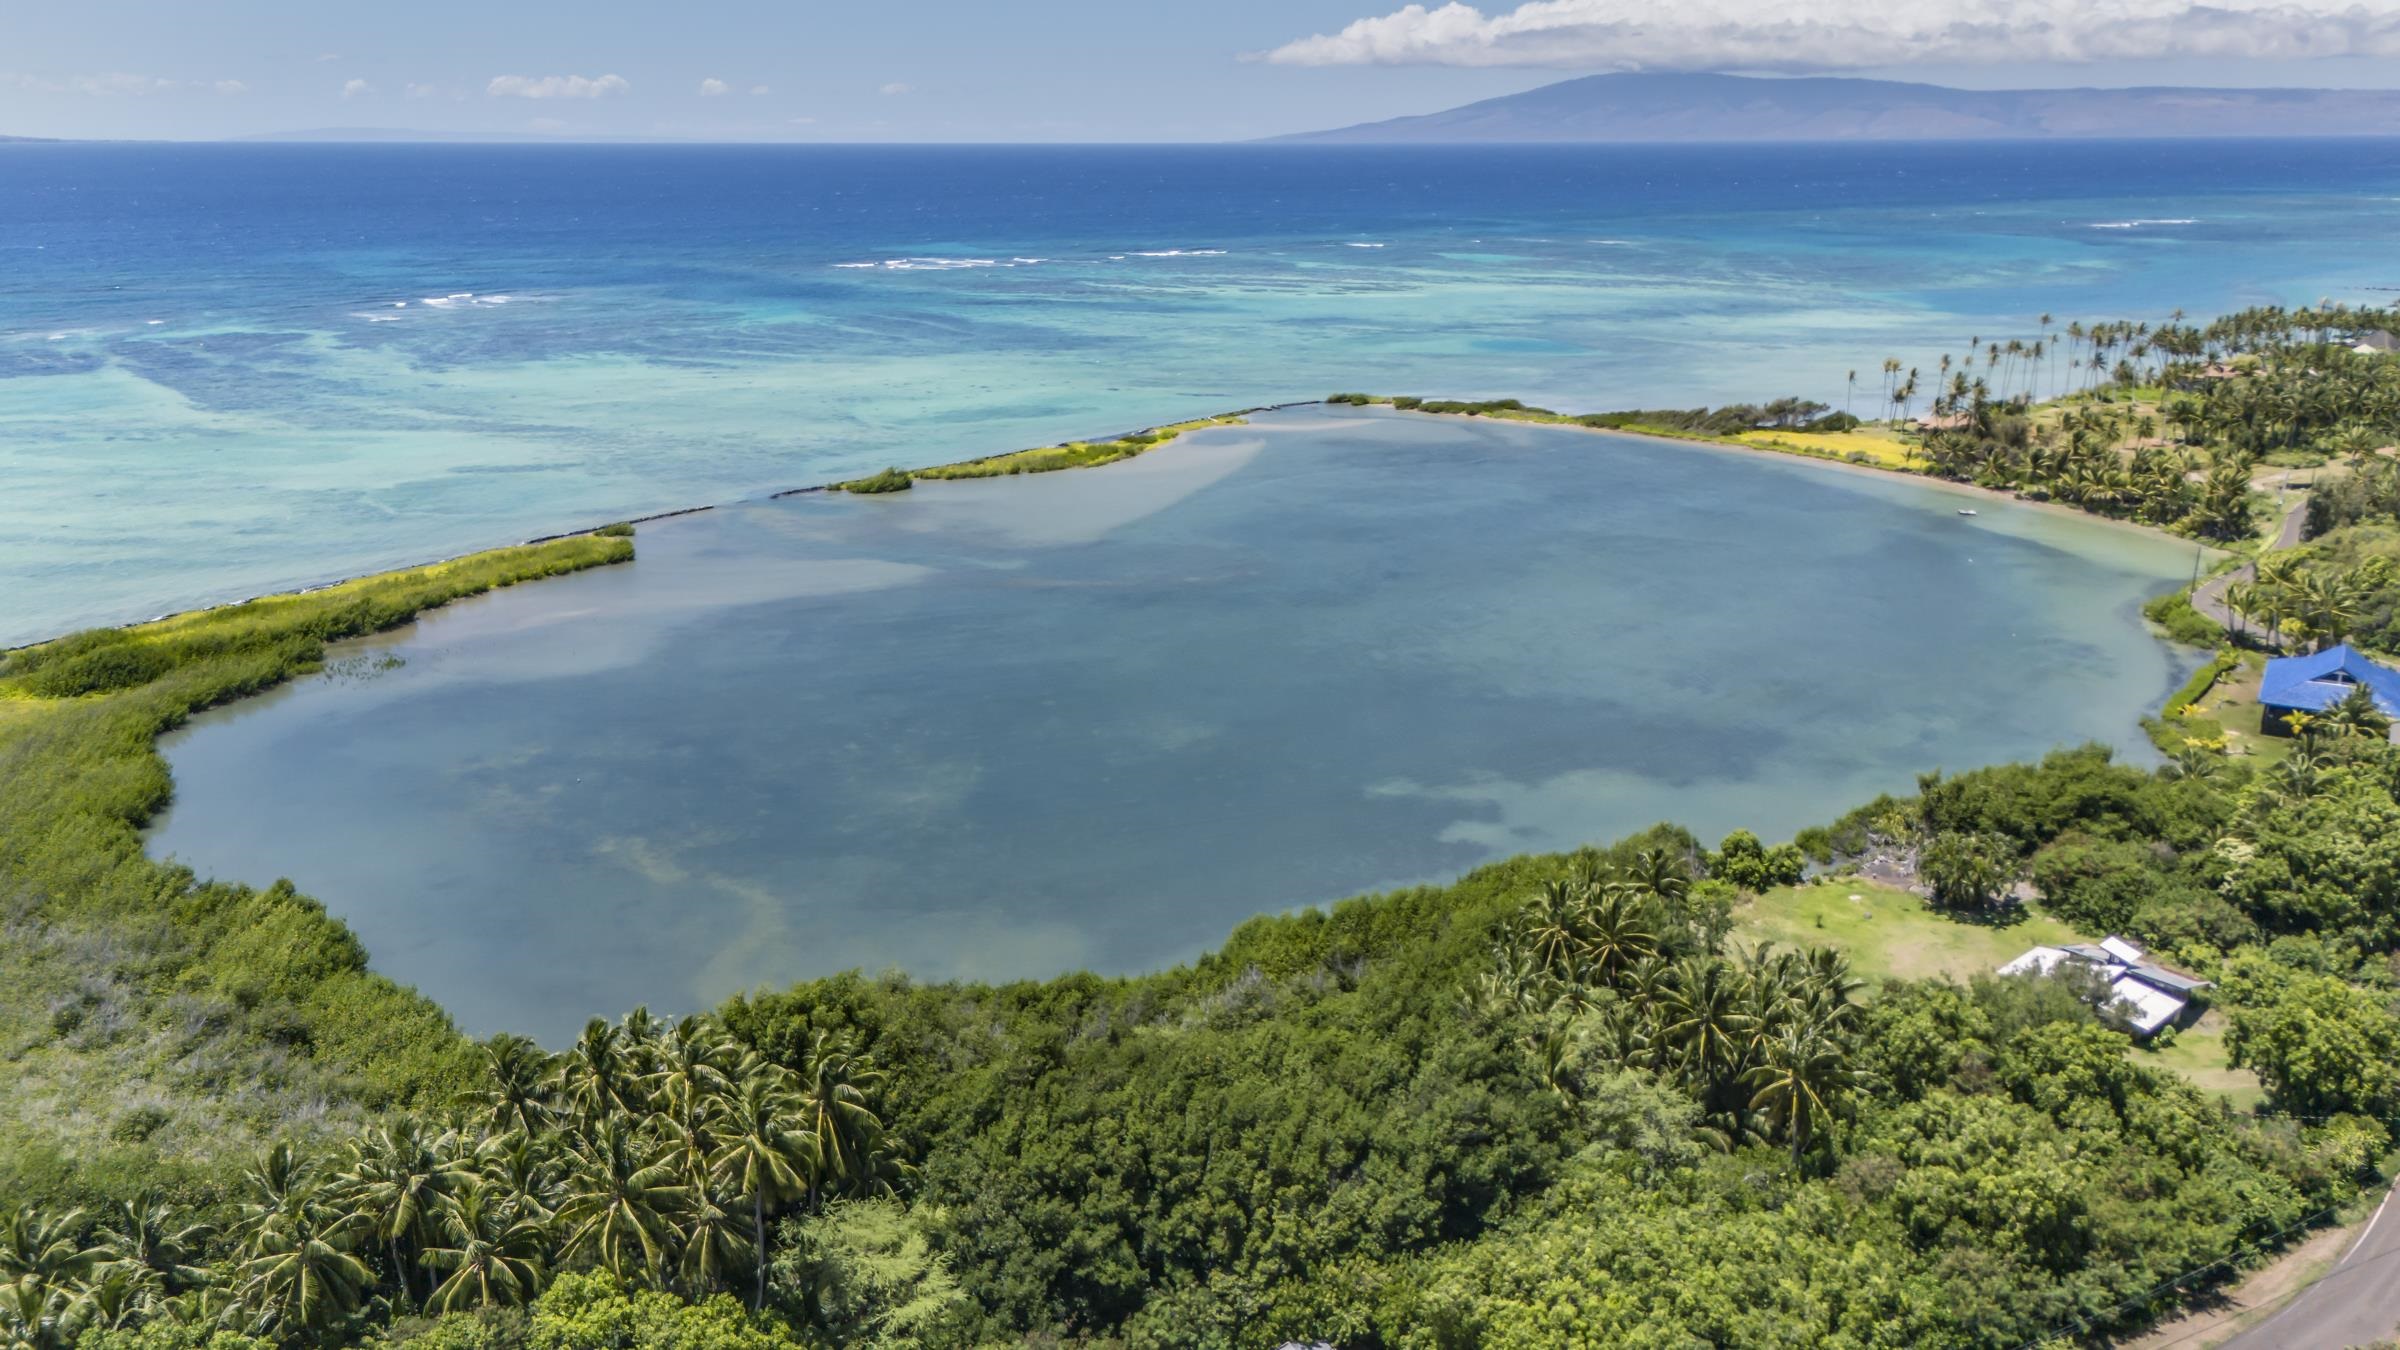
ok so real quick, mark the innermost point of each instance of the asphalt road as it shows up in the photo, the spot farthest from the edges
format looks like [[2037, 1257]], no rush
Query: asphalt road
[[2209, 599], [2355, 1303]]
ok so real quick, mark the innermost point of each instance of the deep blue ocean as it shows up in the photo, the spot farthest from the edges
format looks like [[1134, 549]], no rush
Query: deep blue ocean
[[226, 369]]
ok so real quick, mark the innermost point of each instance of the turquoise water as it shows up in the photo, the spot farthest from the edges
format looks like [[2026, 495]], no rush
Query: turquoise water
[[1094, 719], [227, 369]]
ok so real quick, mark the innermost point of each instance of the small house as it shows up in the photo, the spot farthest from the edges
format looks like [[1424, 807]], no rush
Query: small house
[[2376, 343], [2314, 683], [2149, 995]]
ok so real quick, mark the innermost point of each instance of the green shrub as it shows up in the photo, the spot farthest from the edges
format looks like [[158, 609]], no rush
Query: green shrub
[[890, 480], [622, 529]]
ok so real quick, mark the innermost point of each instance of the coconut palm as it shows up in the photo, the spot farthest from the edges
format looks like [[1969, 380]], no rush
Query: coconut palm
[[764, 1155], [716, 1246], [1798, 1083], [1703, 1018], [145, 1235], [621, 1198], [516, 1087], [301, 1274], [44, 1248], [492, 1256], [833, 1099], [597, 1078], [396, 1181]]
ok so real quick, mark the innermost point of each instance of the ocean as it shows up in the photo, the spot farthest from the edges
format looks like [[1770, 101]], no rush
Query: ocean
[[227, 369]]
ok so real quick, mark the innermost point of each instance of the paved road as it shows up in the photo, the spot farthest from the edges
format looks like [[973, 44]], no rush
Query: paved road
[[2209, 599], [2355, 1303]]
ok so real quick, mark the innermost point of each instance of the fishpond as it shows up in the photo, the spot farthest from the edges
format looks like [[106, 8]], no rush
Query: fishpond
[[1012, 727]]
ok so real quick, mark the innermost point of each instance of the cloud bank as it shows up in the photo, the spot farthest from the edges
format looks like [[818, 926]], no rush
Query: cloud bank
[[555, 86], [1797, 36]]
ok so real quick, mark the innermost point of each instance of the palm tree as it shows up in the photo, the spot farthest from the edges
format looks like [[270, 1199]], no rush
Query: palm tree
[[396, 1182], [1703, 1018], [596, 1077], [143, 1235], [763, 1156], [834, 1107], [43, 1247], [1553, 926], [300, 1274], [516, 1093], [1618, 930], [714, 1246], [493, 1257], [33, 1314], [1801, 1076], [620, 1201]]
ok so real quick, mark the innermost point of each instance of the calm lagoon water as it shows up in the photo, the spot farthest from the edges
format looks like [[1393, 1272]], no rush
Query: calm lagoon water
[[1095, 719], [229, 369]]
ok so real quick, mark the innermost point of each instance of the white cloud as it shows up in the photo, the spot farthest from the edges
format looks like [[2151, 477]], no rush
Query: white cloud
[[328, 57], [556, 86], [354, 88], [415, 90], [894, 88], [804, 121], [230, 87], [1810, 35], [712, 88], [758, 89]]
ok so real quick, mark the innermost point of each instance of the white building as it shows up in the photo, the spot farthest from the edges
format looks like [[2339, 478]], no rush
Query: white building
[[2149, 995]]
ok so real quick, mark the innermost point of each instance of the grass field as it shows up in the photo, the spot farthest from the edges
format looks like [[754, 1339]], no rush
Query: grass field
[[2199, 1055], [1881, 445], [1891, 934]]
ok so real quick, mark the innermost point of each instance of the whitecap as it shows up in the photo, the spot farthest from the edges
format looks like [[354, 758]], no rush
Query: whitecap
[[1359, 245], [399, 304], [58, 337], [1180, 253], [154, 322], [2137, 224], [438, 301]]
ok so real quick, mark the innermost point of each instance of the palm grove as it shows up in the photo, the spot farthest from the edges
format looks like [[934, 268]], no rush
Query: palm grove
[[1556, 1102]]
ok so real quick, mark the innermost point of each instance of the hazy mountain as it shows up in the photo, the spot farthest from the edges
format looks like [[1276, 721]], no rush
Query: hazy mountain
[[403, 135], [1740, 108]]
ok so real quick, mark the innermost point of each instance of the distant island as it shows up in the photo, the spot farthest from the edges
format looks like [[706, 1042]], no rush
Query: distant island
[[1639, 108]]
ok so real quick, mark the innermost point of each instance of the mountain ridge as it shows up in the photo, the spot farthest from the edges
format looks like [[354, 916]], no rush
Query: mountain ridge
[[1653, 108]]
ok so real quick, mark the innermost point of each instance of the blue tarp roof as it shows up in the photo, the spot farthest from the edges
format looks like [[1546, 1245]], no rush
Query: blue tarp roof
[[2315, 683]]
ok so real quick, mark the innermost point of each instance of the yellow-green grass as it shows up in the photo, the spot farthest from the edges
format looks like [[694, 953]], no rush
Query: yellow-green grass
[[1891, 934], [2198, 1053], [1072, 454], [1880, 446]]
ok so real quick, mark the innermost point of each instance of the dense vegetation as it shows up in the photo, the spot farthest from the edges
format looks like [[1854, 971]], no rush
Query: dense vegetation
[[1553, 1103], [1558, 1102]]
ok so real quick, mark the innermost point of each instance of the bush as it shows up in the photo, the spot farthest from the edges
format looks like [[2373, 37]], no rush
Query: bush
[[2174, 613], [1359, 400], [622, 529], [890, 480]]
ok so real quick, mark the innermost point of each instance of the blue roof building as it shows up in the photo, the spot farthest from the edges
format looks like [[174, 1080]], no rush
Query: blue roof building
[[2312, 684]]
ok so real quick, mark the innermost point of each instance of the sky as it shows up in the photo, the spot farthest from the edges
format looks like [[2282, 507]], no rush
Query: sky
[[1063, 70]]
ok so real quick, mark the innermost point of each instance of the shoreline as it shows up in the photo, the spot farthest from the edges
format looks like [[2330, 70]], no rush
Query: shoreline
[[1558, 422]]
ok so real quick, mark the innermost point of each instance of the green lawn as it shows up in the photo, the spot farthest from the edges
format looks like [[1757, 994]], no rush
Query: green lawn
[[1891, 934], [2199, 1054]]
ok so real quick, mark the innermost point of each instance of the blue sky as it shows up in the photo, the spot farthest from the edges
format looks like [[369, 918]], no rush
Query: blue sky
[[1061, 70]]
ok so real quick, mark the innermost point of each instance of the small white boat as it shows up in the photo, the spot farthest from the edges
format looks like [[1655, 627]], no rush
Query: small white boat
[[1966, 511]]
